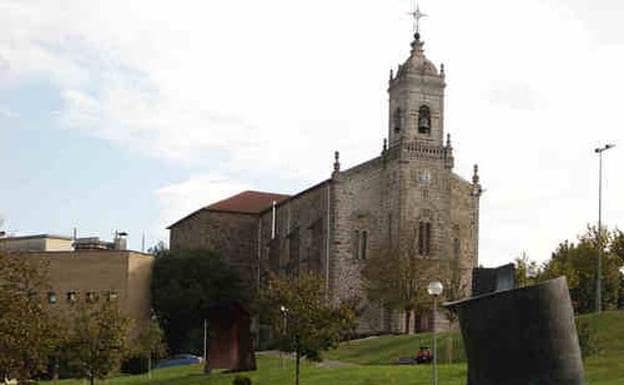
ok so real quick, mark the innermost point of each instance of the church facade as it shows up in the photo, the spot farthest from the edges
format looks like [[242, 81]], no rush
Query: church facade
[[408, 194]]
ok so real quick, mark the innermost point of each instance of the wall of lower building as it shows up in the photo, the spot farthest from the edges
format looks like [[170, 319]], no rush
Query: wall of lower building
[[233, 235], [300, 241], [125, 274], [138, 300]]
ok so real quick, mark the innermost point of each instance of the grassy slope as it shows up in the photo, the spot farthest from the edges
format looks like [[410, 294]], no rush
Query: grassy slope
[[607, 367], [368, 366], [385, 350]]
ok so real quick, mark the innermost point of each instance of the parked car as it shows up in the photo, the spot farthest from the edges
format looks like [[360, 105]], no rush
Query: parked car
[[179, 360], [424, 355]]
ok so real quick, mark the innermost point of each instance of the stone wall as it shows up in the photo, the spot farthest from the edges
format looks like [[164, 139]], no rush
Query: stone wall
[[364, 200], [465, 228], [300, 241], [233, 235]]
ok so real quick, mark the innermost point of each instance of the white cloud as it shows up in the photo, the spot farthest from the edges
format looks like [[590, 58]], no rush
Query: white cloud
[[533, 86], [182, 198]]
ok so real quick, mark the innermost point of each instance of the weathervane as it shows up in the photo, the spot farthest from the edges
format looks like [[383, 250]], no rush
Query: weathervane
[[417, 15]]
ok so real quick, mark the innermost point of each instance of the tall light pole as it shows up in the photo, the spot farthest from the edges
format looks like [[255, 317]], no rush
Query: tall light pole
[[284, 312], [599, 151], [435, 289]]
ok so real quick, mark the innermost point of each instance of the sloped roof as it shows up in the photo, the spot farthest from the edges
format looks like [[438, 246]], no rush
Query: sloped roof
[[248, 202]]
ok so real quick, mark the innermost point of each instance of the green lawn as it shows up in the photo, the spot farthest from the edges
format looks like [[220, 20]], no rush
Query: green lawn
[[367, 362]]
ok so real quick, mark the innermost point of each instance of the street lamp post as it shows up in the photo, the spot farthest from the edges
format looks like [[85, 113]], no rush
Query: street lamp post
[[599, 151], [435, 289], [284, 312]]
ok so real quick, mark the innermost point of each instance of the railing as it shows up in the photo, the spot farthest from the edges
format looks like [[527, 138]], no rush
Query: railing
[[420, 150]]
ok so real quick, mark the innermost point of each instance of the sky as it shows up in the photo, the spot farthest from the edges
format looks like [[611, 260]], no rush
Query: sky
[[118, 115]]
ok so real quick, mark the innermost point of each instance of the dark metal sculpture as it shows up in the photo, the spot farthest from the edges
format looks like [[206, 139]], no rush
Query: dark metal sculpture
[[231, 344], [523, 336], [488, 280]]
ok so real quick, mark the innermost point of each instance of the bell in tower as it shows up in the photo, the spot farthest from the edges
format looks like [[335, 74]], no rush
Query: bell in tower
[[416, 104]]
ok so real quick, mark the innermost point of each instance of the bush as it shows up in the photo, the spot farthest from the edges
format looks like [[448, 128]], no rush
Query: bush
[[586, 337], [241, 380]]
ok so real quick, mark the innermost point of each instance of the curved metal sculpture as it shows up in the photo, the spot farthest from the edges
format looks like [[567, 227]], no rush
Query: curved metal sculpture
[[523, 336]]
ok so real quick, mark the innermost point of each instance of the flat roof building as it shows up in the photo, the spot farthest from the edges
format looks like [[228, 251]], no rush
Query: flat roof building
[[90, 272], [39, 242]]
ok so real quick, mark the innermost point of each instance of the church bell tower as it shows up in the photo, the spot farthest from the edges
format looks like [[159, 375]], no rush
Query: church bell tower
[[416, 104]]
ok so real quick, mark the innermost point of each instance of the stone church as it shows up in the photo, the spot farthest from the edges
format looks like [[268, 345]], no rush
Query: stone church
[[409, 193]]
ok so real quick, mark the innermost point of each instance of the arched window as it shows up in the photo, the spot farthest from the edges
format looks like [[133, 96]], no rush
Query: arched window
[[424, 238], [424, 120], [397, 118], [360, 244]]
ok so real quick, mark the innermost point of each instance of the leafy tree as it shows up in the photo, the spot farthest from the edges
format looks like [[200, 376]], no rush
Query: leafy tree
[[149, 345], [527, 271], [453, 274], [151, 342], [159, 249], [298, 311], [578, 263], [397, 278], [98, 340], [184, 285], [28, 333]]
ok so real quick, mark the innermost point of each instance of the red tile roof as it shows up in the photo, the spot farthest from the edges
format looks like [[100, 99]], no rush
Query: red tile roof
[[249, 202]]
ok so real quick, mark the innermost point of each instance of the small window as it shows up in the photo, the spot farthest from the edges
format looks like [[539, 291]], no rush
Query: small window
[[112, 296], [72, 296], [424, 120], [397, 119], [51, 297], [364, 244], [92, 297]]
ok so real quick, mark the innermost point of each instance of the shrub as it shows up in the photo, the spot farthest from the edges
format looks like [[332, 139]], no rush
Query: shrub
[[241, 380], [586, 337]]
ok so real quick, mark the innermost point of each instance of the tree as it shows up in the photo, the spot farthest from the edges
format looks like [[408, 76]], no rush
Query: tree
[[159, 249], [184, 285], [149, 345], [527, 271], [29, 335], [98, 340], [453, 274], [397, 278], [578, 263], [298, 311]]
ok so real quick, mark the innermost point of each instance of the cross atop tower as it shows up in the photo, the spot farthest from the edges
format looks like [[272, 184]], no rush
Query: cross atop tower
[[416, 14]]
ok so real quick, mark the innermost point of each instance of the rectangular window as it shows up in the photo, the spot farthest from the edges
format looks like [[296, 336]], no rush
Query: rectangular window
[[424, 238], [51, 297], [364, 245], [72, 296], [421, 238], [427, 238], [456, 248], [92, 297], [293, 251], [112, 296]]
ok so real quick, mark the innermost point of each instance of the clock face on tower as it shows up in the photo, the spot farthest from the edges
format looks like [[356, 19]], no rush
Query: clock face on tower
[[424, 177]]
